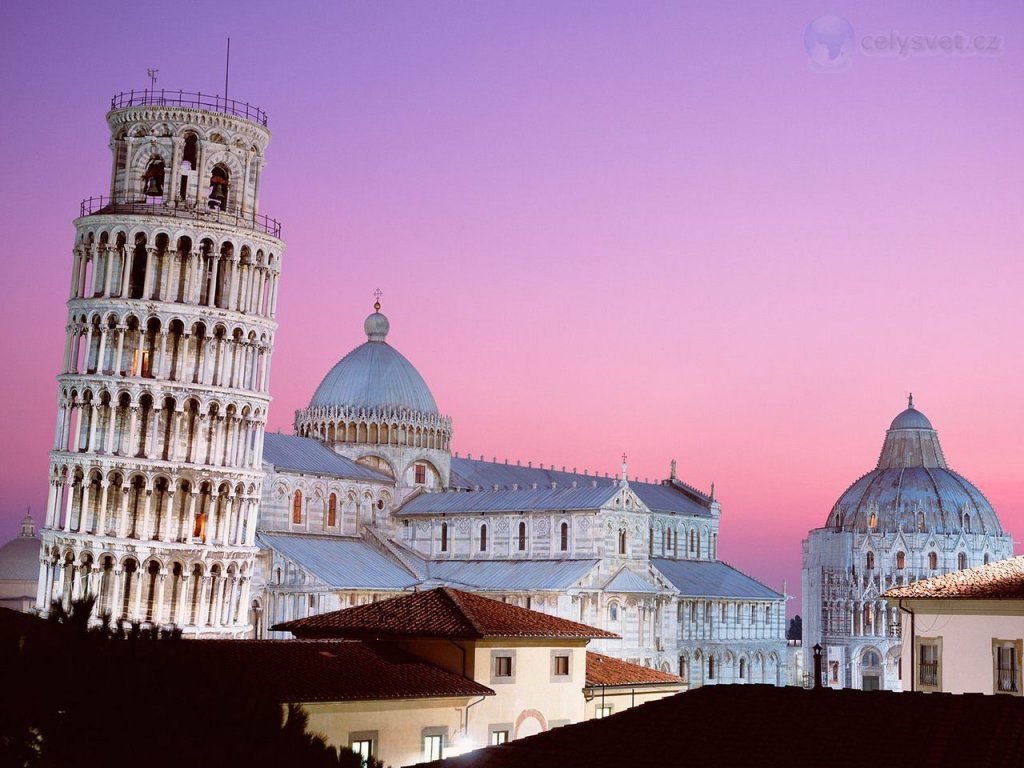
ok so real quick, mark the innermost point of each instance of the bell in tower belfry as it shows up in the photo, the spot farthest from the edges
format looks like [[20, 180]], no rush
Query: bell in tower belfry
[[155, 473]]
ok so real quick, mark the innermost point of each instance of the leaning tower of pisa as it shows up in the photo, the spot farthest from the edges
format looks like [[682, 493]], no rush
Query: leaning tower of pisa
[[155, 472]]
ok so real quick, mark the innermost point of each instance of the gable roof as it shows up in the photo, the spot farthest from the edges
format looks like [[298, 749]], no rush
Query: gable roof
[[627, 581], [712, 578], [341, 563], [304, 454], [670, 496], [1002, 580], [443, 612], [608, 671], [509, 575]]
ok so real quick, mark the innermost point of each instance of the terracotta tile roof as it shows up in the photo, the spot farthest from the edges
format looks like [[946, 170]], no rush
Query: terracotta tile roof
[[1003, 580], [442, 612], [604, 670], [332, 670], [754, 724]]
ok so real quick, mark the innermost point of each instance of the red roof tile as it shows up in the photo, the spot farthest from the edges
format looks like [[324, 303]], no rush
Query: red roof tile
[[1003, 580], [605, 670], [332, 670], [442, 612]]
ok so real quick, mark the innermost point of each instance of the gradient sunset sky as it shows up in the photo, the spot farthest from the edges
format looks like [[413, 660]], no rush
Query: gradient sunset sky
[[640, 227]]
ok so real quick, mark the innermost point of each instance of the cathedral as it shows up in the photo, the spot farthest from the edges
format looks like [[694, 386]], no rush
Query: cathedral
[[170, 504], [910, 518]]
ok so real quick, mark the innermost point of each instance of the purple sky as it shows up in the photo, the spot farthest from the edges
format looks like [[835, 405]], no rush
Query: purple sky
[[599, 227]]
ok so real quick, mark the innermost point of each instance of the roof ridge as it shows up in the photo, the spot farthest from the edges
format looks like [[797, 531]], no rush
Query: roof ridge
[[455, 596]]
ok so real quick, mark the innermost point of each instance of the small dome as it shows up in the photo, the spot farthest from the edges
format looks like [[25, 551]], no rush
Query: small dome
[[911, 419], [19, 558], [374, 375]]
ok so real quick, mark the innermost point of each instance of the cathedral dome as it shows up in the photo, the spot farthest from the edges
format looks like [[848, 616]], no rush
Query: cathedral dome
[[19, 558], [912, 488], [374, 376]]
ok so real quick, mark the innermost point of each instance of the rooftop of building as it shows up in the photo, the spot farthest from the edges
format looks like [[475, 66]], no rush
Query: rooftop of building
[[733, 725], [1002, 580], [607, 671], [309, 456], [439, 613]]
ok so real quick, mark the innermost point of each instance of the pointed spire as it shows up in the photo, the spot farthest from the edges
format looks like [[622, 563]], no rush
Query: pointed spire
[[625, 466], [712, 490], [672, 470]]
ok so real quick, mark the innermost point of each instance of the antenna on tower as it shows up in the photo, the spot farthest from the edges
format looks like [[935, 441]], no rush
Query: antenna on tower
[[227, 70], [151, 74]]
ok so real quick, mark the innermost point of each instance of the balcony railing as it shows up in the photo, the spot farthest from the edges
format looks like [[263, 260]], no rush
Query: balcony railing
[[180, 210], [162, 98]]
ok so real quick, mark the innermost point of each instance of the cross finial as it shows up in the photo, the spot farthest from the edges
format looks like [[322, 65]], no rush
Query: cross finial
[[910, 400], [151, 74], [376, 295]]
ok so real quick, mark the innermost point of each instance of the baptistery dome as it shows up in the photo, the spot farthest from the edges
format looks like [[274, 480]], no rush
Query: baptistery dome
[[374, 376], [912, 489]]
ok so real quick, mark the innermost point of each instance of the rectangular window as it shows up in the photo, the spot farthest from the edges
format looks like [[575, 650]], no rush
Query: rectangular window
[[503, 666], [433, 747], [559, 665], [1006, 656], [421, 474], [929, 663], [499, 737], [602, 712], [362, 743]]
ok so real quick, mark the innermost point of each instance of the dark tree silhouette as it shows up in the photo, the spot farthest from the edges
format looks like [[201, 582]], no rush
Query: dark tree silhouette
[[74, 692], [796, 628]]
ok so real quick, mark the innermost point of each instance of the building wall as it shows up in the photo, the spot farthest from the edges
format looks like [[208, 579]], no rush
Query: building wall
[[620, 698], [966, 629]]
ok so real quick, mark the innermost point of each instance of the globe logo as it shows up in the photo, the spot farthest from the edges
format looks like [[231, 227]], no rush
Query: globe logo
[[829, 44]]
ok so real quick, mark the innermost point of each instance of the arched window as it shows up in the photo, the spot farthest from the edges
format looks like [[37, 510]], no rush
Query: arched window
[[622, 541], [684, 668], [871, 659], [332, 510], [986, 558], [613, 611], [522, 537], [650, 540], [920, 522], [444, 537], [219, 188], [933, 560], [297, 508], [870, 564], [743, 668], [564, 540], [873, 521], [153, 180], [483, 537], [967, 523], [961, 560], [901, 560], [711, 667], [693, 542]]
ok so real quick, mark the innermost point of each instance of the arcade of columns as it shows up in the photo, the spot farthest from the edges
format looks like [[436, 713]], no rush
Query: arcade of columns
[[155, 472]]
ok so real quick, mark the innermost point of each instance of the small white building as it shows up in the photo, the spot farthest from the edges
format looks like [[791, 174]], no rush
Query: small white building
[[964, 631]]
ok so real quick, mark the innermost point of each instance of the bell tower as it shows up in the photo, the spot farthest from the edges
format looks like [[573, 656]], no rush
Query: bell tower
[[155, 472]]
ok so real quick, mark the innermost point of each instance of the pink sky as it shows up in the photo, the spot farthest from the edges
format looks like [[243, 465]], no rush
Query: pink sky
[[598, 227]]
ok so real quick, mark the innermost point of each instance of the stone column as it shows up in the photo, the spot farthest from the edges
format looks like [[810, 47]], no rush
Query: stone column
[[101, 518], [166, 526], [42, 585], [122, 522], [83, 511], [158, 607], [108, 446], [67, 506], [190, 519], [117, 598], [147, 523], [137, 602], [51, 505], [94, 413], [100, 367], [118, 369]]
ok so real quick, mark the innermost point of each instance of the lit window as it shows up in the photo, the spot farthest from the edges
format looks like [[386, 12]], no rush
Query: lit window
[[499, 737], [363, 748], [873, 521], [332, 510], [933, 560], [602, 712], [421, 474], [433, 747], [297, 508], [901, 560], [503, 666], [1006, 655]]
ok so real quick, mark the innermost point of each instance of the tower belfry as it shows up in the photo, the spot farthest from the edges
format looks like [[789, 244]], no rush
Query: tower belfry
[[155, 472]]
